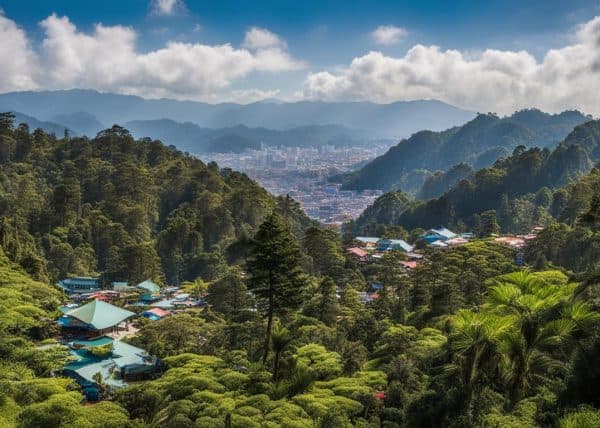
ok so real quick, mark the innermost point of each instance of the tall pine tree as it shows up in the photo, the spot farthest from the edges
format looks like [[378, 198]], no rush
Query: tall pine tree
[[275, 276]]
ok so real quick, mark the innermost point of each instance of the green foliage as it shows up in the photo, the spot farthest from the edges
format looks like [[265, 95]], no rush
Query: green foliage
[[479, 142], [324, 364], [275, 276], [131, 209]]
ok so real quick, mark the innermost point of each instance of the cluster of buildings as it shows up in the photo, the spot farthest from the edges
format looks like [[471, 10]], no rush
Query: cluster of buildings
[[93, 327], [518, 242], [367, 248], [302, 172]]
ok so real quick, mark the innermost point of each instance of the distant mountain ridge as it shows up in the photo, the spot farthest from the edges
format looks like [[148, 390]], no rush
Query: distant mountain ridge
[[195, 139], [479, 142], [34, 123], [382, 120]]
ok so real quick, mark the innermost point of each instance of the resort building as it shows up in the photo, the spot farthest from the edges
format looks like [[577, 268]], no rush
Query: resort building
[[104, 362], [96, 316]]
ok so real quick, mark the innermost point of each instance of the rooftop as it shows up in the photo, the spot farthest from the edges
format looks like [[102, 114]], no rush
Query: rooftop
[[99, 315]]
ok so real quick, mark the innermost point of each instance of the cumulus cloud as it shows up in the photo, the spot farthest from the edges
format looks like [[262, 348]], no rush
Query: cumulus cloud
[[388, 34], [107, 60], [494, 80], [167, 7], [247, 96], [260, 38], [16, 57]]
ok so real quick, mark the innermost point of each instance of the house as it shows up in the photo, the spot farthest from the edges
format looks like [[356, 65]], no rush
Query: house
[[80, 284], [439, 244], [375, 287], [366, 241], [438, 234], [511, 241], [393, 244], [409, 264], [358, 253], [156, 314], [94, 316], [117, 363], [459, 240], [149, 291]]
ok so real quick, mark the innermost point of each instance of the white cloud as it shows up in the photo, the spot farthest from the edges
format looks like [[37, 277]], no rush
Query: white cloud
[[493, 80], [107, 60], [260, 38], [16, 57], [388, 34], [167, 7], [247, 96]]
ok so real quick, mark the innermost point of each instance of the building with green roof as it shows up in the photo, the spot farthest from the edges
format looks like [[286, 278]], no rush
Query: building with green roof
[[95, 315], [150, 291]]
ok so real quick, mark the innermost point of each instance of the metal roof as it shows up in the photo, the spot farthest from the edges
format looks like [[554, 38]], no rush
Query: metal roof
[[99, 315]]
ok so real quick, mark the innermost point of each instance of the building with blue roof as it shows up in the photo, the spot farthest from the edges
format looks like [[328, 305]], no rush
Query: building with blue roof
[[439, 233], [393, 244], [80, 284], [116, 361]]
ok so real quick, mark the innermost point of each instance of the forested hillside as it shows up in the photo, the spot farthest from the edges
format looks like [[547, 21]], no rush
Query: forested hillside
[[521, 190], [288, 334], [125, 208], [479, 143]]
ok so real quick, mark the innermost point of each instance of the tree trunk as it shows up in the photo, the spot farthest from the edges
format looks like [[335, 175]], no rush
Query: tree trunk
[[269, 322], [276, 367]]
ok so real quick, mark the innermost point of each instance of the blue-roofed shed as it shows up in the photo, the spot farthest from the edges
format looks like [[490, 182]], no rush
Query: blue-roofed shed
[[80, 284], [393, 244]]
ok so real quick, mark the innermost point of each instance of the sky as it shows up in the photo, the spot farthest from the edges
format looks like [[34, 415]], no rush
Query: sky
[[483, 56]]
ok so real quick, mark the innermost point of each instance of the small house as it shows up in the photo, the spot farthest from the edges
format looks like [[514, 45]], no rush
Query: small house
[[438, 234], [366, 241], [80, 284], [149, 291], [358, 253], [375, 287], [156, 314], [393, 244]]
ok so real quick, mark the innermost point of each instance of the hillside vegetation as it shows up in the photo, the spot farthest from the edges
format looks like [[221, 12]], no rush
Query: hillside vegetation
[[479, 143], [131, 209], [521, 190]]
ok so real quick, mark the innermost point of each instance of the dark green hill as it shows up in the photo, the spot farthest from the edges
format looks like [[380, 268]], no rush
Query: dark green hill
[[516, 188], [131, 209], [478, 142]]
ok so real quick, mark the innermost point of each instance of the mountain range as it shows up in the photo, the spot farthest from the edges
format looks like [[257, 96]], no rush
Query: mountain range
[[479, 142], [88, 111], [516, 189]]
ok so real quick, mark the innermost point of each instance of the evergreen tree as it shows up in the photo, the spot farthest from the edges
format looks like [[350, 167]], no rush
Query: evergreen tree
[[328, 307], [489, 224], [275, 276]]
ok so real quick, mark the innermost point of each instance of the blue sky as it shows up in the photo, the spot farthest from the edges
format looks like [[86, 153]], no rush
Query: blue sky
[[307, 49]]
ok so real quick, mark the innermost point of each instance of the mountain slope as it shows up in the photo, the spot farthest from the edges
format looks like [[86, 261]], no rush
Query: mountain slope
[[49, 127], [479, 142], [382, 120], [515, 188], [129, 209]]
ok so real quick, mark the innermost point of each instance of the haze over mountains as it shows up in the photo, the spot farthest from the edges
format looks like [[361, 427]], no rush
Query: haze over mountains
[[88, 111]]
